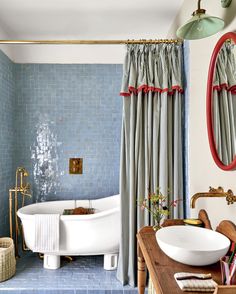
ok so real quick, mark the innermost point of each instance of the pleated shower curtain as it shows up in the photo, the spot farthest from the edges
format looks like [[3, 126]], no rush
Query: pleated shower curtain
[[224, 104], [151, 140]]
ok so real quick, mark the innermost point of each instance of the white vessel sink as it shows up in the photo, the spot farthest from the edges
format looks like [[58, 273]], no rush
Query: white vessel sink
[[192, 245]]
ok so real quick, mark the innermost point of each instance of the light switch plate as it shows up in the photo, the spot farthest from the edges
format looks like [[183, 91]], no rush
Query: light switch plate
[[76, 166]]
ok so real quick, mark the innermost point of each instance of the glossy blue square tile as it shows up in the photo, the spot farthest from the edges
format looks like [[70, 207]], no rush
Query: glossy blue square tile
[[77, 109], [7, 134], [99, 291], [47, 291], [70, 110], [85, 275], [31, 291], [10, 291]]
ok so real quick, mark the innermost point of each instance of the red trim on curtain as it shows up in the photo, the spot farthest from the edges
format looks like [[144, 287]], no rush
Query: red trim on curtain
[[146, 89], [226, 87]]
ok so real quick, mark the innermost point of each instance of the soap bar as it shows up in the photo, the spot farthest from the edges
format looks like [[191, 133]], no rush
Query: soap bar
[[193, 222]]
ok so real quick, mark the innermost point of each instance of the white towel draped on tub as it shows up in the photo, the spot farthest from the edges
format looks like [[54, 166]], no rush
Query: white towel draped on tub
[[46, 232]]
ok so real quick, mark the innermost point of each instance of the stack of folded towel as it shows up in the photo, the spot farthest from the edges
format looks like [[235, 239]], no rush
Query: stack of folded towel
[[195, 282]]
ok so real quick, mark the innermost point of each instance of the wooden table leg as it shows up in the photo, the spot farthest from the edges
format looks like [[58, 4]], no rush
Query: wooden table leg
[[141, 272]]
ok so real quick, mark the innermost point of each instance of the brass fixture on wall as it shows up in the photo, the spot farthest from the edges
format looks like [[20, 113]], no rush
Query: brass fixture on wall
[[230, 198], [22, 187], [214, 192], [76, 166]]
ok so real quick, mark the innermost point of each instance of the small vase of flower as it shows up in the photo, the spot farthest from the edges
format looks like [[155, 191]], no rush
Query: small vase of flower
[[156, 204]]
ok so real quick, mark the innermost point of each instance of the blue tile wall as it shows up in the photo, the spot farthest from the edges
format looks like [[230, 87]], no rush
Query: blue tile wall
[[64, 111], [7, 115], [50, 113]]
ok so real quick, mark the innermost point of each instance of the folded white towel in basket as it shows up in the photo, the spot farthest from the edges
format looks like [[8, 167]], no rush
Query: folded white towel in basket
[[46, 232], [195, 282]]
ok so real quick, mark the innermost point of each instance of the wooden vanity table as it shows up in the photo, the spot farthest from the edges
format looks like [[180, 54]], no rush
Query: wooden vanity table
[[161, 268]]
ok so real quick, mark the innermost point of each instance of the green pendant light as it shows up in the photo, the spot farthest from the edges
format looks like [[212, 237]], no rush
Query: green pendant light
[[200, 25]]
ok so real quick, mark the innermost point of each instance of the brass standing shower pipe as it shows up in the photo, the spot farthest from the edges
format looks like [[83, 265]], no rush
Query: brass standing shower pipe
[[88, 42], [22, 188]]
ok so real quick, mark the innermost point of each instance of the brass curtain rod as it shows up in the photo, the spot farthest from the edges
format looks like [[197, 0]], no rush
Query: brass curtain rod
[[87, 42]]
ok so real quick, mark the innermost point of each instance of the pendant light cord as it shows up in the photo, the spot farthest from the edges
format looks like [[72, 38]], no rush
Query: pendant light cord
[[199, 9], [199, 4]]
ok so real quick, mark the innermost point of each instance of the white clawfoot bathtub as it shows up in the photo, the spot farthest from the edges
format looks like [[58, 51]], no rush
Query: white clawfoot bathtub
[[94, 234]]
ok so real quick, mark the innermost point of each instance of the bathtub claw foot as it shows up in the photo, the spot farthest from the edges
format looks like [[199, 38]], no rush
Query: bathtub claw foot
[[51, 261], [110, 261], [40, 255], [68, 258]]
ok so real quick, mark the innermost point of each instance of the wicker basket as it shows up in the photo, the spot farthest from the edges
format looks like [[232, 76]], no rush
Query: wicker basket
[[7, 259]]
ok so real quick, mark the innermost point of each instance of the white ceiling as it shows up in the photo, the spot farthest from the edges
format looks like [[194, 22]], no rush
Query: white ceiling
[[87, 19], [82, 19]]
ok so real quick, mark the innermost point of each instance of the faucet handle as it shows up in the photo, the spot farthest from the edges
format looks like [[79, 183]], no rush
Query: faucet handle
[[230, 198], [26, 190]]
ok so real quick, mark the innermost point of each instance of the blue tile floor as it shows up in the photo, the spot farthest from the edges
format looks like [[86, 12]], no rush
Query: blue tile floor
[[85, 275]]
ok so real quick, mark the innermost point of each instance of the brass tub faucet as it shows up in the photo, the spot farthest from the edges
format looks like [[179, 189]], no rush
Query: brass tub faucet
[[23, 188]]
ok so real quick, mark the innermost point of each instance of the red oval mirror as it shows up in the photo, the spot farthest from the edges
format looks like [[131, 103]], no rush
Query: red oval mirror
[[221, 102]]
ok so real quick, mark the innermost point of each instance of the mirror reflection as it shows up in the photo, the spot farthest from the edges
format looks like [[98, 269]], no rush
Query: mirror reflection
[[224, 103]]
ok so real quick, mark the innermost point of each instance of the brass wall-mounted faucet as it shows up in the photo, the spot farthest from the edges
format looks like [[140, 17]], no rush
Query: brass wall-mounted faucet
[[22, 187], [218, 192]]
